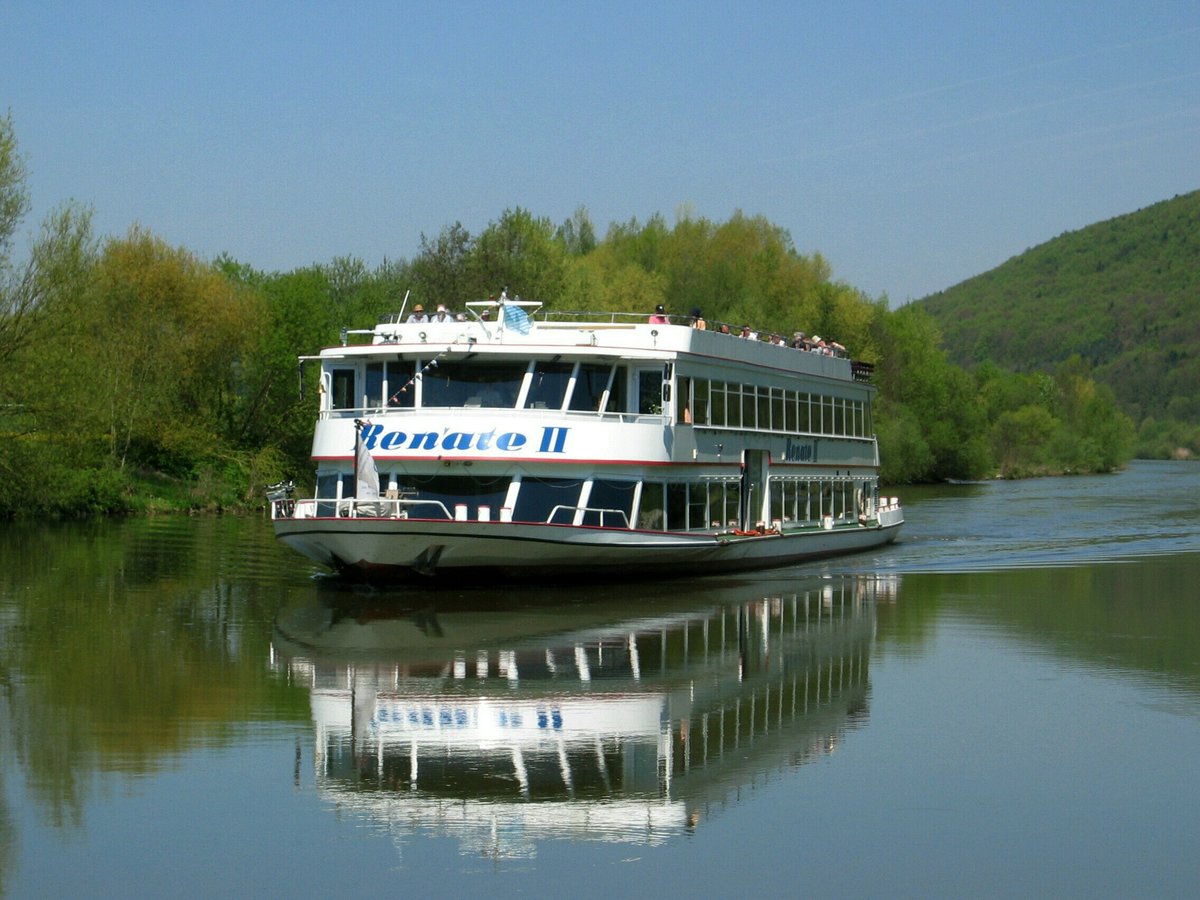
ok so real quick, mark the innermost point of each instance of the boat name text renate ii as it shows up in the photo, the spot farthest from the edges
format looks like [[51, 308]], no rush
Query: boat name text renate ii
[[797, 451], [553, 439]]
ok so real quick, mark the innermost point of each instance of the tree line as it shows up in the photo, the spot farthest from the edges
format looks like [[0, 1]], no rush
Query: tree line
[[136, 376]]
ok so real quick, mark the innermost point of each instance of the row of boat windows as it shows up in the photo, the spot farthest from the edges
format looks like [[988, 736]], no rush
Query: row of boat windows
[[615, 503], [724, 404], [593, 387], [405, 384]]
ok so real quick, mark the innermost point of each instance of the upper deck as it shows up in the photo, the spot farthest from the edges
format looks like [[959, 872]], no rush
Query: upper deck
[[523, 329]]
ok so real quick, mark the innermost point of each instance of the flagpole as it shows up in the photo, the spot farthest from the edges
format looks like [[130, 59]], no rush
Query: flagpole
[[358, 424]]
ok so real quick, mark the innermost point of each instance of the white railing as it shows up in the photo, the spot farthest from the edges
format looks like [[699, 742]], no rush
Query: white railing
[[587, 509], [404, 508], [352, 508]]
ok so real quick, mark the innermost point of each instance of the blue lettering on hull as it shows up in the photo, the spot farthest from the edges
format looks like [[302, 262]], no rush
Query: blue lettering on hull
[[553, 440], [800, 452]]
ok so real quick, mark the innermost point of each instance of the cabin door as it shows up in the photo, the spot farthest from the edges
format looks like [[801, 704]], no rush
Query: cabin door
[[343, 393], [756, 465]]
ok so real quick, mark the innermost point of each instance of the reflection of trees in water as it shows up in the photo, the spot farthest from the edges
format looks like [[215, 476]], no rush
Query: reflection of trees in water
[[8, 835], [125, 644], [1138, 616]]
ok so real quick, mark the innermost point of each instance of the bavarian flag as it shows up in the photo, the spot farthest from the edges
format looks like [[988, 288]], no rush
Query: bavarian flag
[[516, 319]]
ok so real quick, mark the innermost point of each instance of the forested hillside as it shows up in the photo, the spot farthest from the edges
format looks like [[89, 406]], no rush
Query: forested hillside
[[1123, 296]]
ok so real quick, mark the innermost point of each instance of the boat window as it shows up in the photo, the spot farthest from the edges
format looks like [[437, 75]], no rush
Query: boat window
[[610, 495], [650, 510], [539, 496], [764, 407], [677, 506], [749, 406], [700, 401], [456, 384], [618, 397], [342, 395], [327, 490], [400, 388], [683, 402], [452, 491], [373, 390], [716, 413], [549, 385], [591, 383], [697, 505], [650, 391], [778, 491], [723, 497], [733, 405]]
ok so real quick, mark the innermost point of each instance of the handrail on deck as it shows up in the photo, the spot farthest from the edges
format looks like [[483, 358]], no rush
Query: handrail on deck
[[587, 509], [353, 508]]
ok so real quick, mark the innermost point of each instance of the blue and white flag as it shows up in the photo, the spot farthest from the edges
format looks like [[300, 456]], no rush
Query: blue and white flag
[[516, 319]]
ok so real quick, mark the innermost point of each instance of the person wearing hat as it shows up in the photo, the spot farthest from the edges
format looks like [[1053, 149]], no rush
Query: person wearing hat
[[418, 314], [442, 314], [698, 320], [660, 316]]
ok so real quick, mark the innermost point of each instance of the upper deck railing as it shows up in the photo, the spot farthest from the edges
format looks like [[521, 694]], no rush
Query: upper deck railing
[[524, 316]]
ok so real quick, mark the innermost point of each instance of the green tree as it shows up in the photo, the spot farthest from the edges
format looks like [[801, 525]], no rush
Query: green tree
[[440, 272], [519, 252], [302, 319], [58, 263], [916, 373], [1021, 437], [160, 339], [577, 234]]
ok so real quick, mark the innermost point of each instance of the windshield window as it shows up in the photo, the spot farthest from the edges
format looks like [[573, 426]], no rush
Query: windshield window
[[490, 385]]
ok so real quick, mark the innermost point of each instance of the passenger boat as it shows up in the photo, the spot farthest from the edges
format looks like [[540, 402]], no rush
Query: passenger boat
[[515, 443]]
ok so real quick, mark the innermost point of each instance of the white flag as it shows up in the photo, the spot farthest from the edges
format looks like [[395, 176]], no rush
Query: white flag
[[366, 473]]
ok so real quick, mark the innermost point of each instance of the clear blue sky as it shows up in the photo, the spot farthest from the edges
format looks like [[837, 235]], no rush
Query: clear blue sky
[[912, 144]]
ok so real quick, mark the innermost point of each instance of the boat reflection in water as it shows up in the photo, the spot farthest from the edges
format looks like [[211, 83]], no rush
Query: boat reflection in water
[[619, 721]]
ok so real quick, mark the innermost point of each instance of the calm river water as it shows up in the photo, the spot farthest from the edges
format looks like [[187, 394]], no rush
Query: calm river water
[[1005, 703]]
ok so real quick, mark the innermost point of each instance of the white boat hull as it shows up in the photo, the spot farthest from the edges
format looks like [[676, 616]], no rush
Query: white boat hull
[[414, 549]]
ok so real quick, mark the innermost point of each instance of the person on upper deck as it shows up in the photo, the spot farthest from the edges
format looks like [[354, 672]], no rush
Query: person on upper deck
[[418, 314], [442, 314], [660, 316], [698, 320], [748, 334]]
